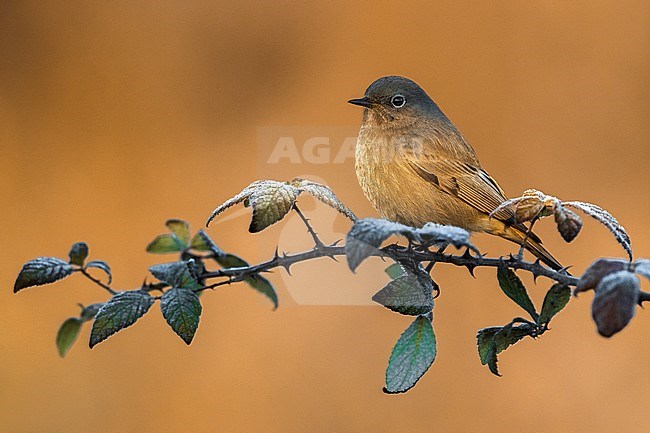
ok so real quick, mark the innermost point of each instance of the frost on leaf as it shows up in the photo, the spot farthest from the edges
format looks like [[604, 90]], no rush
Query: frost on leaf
[[597, 271], [42, 270], [324, 194], [606, 219], [272, 200], [367, 235], [615, 302], [533, 204], [408, 294], [121, 311]]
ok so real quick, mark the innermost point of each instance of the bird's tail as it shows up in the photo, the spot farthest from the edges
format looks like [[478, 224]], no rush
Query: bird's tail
[[533, 243]]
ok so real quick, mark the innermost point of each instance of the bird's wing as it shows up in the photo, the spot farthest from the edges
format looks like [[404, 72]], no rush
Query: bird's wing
[[465, 181]]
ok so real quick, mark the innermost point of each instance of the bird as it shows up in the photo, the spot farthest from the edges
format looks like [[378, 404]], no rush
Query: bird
[[415, 167]]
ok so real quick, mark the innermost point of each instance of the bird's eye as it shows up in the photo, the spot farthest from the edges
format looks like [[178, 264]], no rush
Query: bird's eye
[[398, 101]]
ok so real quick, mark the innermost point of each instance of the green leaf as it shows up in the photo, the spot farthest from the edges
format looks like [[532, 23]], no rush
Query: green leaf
[[494, 340], [164, 244], [100, 264], [78, 253], [42, 270], [394, 271], [176, 274], [88, 313], [202, 242], [409, 294], [515, 290], [411, 357], [257, 282], [120, 312], [67, 335], [555, 300], [181, 309], [265, 287], [180, 229], [231, 261]]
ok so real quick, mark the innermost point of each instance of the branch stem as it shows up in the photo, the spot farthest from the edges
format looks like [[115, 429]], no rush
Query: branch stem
[[97, 281]]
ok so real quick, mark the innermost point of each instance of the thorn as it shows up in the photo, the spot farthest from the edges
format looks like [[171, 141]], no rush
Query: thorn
[[335, 243], [333, 257], [467, 255], [470, 267], [276, 255]]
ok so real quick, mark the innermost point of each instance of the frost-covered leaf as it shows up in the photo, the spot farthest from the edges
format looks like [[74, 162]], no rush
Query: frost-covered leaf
[[270, 201], [88, 313], [367, 235], [181, 309], [555, 300], [42, 270], [597, 271], [606, 219], [530, 205], [78, 253], [176, 274], [121, 311], [324, 194], [615, 302], [515, 290], [100, 264], [568, 223], [202, 242], [395, 270], [494, 340], [642, 267], [408, 294], [67, 335], [163, 244], [239, 198], [180, 229], [412, 356]]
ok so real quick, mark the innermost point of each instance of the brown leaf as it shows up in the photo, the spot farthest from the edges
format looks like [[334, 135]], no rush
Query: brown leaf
[[597, 271], [615, 302], [568, 223]]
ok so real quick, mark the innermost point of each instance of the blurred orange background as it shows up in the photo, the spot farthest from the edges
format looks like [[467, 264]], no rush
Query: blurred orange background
[[115, 116]]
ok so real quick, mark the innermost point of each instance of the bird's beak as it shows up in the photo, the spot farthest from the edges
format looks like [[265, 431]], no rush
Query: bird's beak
[[363, 102]]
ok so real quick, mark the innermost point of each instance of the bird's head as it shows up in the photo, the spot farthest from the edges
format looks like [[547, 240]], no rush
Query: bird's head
[[395, 99]]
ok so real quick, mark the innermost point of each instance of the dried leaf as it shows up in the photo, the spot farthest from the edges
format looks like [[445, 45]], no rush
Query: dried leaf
[[597, 271], [270, 201], [606, 219], [568, 223], [324, 194], [78, 253], [615, 302]]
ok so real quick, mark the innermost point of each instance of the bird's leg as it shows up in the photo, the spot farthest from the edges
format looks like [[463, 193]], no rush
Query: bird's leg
[[520, 254]]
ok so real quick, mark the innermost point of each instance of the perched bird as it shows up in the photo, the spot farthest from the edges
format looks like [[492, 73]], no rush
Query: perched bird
[[416, 167]]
